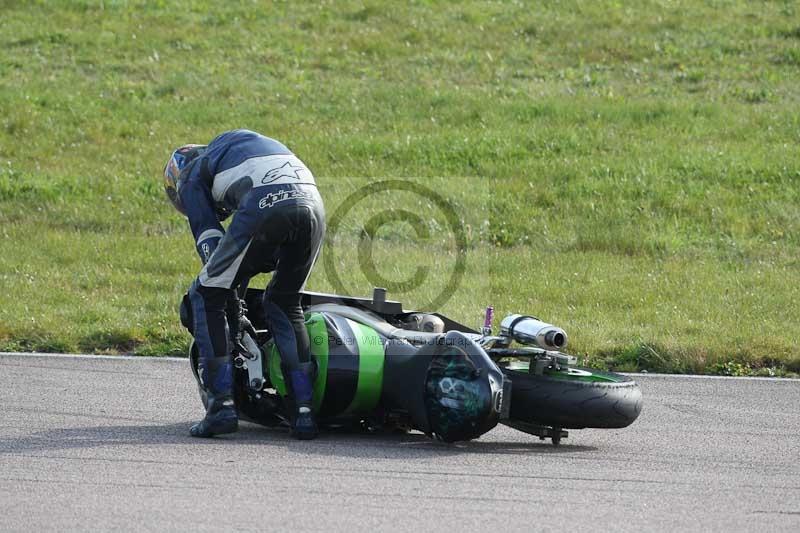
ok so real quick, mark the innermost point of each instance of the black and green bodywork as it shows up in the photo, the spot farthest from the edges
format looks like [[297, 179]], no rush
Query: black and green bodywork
[[350, 361], [367, 373]]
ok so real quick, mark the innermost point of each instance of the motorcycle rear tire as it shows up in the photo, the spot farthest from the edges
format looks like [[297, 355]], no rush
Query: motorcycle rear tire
[[614, 401]]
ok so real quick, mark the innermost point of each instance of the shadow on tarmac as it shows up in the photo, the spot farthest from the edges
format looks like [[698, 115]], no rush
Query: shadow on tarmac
[[336, 443]]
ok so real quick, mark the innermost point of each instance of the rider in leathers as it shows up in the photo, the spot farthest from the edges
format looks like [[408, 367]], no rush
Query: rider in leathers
[[278, 225]]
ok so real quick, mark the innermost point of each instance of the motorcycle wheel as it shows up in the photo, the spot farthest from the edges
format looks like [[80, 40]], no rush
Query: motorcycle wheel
[[575, 398]]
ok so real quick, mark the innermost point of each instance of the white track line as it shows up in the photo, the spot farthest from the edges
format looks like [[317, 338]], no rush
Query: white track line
[[88, 356], [695, 376], [183, 359]]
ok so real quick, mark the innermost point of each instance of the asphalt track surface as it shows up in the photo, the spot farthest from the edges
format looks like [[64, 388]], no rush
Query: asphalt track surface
[[102, 443]]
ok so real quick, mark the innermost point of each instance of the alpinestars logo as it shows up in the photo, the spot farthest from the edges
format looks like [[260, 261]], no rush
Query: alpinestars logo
[[281, 196], [287, 170]]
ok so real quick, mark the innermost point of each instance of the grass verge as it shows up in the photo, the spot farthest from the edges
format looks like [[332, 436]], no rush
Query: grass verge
[[627, 171]]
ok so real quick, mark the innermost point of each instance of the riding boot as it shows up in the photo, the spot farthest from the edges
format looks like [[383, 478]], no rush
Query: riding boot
[[221, 417], [304, 426]]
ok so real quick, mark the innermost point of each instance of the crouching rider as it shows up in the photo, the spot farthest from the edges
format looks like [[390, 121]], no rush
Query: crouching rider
[[278, 226]]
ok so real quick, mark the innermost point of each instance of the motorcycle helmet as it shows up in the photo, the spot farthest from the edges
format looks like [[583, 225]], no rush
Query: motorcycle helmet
[[178, 161], [458, 397]]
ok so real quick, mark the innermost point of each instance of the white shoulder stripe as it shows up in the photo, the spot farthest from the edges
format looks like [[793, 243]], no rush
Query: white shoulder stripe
[[263, 170], [209, 234]]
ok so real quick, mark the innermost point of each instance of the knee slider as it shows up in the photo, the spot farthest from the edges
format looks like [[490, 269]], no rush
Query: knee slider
[[186, 314]]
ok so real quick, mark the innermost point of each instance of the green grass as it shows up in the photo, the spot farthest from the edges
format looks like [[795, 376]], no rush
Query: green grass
[[628, 170]]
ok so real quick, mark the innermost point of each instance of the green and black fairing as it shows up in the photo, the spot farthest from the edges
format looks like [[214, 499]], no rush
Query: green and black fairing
[[446, 387], [350, 362]]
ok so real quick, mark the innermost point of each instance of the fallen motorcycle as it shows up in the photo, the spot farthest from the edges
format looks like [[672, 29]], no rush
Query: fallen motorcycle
[[380, 367]]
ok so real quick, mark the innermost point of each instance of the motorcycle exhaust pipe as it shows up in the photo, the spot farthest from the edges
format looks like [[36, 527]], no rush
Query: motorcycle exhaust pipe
[[532, 331]]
